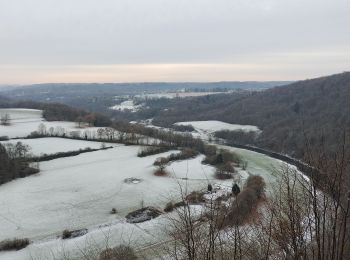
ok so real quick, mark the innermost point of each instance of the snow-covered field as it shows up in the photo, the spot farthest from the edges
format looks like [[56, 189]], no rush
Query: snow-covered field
[[130, 104], [80, 191], [51, 145], [214, 126], [26, 121], [18, 115], [171, 95], [127, 105], [23, 129], [259, 164]]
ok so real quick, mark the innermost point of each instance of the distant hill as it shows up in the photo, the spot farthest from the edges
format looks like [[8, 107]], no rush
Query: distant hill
[[155, 85], [6, 87], [99, 97], [3, 100], [67, 90], [317, 106]]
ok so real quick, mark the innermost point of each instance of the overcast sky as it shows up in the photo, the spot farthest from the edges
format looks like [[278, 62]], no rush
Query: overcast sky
[[172, 40]]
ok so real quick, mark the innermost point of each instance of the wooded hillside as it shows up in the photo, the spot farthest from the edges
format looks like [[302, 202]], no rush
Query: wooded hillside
[[316, 107]]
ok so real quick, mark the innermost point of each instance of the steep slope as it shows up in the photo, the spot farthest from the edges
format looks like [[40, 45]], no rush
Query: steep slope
[[317, 107]]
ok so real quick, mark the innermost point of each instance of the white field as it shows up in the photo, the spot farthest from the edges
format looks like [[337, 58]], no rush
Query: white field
[[18, 115], [26, 121], [171, 95], [127, 105], [130, 105], [51, 145], [78, 192], [214, 126]]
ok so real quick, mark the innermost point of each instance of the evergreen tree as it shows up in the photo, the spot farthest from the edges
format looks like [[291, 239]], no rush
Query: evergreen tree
[[235, 189]]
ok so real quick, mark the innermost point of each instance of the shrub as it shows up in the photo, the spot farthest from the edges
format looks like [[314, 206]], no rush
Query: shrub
[[189, 153], [257, 183], [169, 207], [48, 157], [66, 234], [222, 157], [195, 197], [244, 165], [27, 171], [161, 162], [14, 244], [179, 204], [35, 134], [210, 187], [160, 172], [74, 233], [246, 201], [121, 252], [186, 153], [235, 189], [209, 150], [224, 171], [227, 167], [228, 156], [223, 175], [151, 150]]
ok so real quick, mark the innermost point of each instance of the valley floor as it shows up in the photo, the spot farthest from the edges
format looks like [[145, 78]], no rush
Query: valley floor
[[80, 192]]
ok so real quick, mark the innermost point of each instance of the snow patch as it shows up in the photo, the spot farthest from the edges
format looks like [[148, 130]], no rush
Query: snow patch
[[52, 145], [214, 126], [25, 121], [172, 95], [127, 105]]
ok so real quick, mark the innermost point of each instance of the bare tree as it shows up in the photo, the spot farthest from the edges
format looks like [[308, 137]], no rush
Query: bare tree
[[79, 120], [5, 119], [100, 133], [161, 164], [310, 216], [17, 150], [42, 129], [51, 131]]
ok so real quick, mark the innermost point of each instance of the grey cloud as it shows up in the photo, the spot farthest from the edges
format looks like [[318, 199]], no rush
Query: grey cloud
[[68, 32]]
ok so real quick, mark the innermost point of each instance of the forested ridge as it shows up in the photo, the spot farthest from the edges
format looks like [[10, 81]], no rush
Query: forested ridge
[[313, 108]]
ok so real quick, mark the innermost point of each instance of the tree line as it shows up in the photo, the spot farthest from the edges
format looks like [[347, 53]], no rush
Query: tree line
[[59, 112], [14, 162]]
